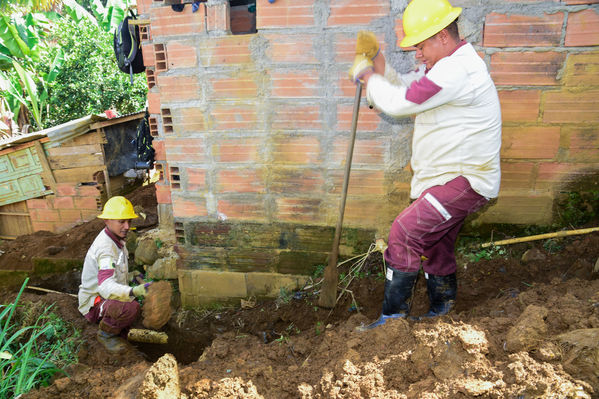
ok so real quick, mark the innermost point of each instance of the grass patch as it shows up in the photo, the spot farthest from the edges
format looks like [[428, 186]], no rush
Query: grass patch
[[35, 344]]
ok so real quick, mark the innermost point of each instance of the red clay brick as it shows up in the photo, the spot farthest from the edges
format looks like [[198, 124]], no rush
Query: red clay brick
[[552, 175], [218, 17], [295, 84], [64, 203], [571, 107], [296, 117], [196, 179], [530, 142], [178, 88], [66, 189], [88, 203], [357, 12], [306, 210], [43, 226], [368, 119], [582, 70], [234, 117], [366, 151], [520, 105], [583, 143], [294, 49], [516, 175], [143, 6], [521, 30], [44, 215], [163, 194], [38, 203], [189, 119], [242, 209], [153, 98], [147, 50], [363, 211], [180, 55], [184, 149], [284, 13], [293, 181], [361, 182], [225, 50], [88, 191], [87, 214], [526, 68], [69, 215], [159, 150], [240, 181], [167, 22], [583, 28], [234, 150], [240, 86], [296, 150], [189, 208]]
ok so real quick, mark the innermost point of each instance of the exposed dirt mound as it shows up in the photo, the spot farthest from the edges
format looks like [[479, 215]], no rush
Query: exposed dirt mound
[[520, 329]]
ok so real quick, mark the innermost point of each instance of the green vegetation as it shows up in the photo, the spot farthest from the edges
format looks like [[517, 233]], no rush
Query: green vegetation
[[58, 67], [90, 81], [577, 208], [473, 255], [319, 328], [35, 344]]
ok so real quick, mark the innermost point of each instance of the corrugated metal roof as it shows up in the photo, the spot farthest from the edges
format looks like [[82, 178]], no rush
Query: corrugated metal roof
[[67, 131]]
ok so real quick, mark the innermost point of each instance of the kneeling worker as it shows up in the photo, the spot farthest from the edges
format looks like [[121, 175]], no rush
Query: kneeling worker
[[104, 295]]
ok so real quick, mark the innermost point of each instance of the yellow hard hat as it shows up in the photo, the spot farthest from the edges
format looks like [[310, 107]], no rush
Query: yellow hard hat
[[425, 18], [118, 208]]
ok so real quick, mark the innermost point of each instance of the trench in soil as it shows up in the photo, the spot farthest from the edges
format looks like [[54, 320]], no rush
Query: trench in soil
[[187, 347]]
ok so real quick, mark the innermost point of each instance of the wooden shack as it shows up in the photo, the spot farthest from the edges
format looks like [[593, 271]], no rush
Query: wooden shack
[[58, 177]]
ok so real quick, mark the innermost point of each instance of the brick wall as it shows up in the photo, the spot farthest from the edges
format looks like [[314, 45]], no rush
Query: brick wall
[[252, 130], [71, 204]]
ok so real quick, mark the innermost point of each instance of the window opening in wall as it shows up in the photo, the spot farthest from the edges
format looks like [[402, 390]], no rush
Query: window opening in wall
[[243, 16]]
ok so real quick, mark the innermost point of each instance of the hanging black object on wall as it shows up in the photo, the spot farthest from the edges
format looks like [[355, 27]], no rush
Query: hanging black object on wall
[[145, 151], [127, 47]]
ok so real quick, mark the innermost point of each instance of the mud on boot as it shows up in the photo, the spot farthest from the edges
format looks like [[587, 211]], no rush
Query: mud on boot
[[442, 291], [114, 344], [398, 291]]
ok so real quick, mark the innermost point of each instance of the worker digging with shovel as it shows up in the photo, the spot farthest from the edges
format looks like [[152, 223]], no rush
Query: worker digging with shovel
[[455, 149], [104, 294]]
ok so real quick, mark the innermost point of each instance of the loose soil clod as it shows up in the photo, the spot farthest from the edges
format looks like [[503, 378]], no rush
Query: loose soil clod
[[156, 310], [147, 336]]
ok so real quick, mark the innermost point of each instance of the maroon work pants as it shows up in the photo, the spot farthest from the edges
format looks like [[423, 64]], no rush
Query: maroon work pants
[[114, 316], [429, 227]]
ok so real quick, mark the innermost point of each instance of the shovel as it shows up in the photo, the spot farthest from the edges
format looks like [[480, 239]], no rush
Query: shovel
[[328, 294]]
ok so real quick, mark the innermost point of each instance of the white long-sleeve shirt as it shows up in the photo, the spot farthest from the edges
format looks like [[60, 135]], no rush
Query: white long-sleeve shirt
[[457, 130], [105, 272]]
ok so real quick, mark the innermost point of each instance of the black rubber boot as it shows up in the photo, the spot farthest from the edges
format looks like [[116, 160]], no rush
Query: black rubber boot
[[114, 344], [396, 303], [442, 291]]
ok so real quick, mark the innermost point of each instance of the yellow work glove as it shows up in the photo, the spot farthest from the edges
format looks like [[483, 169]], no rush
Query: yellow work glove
[[362, 65], [367, 44], [141, 290]]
